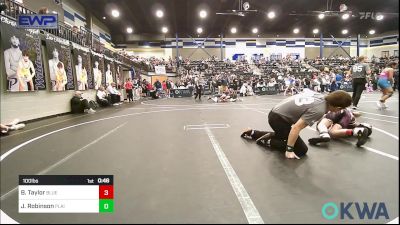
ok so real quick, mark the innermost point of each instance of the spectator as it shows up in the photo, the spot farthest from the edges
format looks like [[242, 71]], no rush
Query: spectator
[[164, 86], [14, 125], [102, 98], [80, 105], [158, 85], [76, 35], [128, 88], [114, 93], [271, 82], [43, 10], [169, 87], [339, 78]]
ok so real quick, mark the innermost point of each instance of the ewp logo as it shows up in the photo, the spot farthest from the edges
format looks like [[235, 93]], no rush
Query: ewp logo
[[330, 210], [46, 21]]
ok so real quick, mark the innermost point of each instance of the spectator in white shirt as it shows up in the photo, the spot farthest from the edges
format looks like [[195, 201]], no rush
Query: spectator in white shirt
[[102, 98], [114, 93], [260, 83], [272, 82]]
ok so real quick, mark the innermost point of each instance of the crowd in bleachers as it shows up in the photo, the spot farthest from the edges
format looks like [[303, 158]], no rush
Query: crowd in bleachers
[[287, 75]]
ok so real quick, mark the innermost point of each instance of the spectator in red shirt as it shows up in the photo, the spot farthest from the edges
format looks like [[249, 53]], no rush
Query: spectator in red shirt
[[149, 88], [128, 88]]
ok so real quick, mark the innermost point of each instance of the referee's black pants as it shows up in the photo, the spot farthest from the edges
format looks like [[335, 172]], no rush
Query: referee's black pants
[[358, 88], [282, 129]]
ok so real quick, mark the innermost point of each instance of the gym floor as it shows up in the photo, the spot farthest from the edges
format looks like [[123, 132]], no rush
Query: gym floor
[[183, 161]]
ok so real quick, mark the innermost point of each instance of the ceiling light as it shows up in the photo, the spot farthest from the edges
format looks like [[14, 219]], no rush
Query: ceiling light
[[315, 31], [296, 30], [371, 32], [321, 16], [233, 30], [164, 30], [199, 30], [104, 17], [203, 14], [115, 13], [159, 13], [129, 30], [254, 30], [271, 15], [379, 17], [345, 16], [345, 31]]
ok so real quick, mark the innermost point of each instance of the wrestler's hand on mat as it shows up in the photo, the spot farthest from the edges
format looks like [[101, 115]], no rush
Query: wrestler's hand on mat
[[291, 155]]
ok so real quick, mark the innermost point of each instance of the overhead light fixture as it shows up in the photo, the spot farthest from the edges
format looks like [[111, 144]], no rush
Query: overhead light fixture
[[345, 16], [233, 30], [203, 14], [379, 17], [345, 31], [129, 30], [104, 17], [296, 30], [254, 30], [271, 15], [115, 13], [321, 16], [164, 30], [199, 30], [159, 13], [371, 32], [315, 31]]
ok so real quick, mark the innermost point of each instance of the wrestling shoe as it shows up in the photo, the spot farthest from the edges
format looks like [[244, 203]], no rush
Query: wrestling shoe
[[367, 126], [14, 122], [247, 134], [379, 104], [264, 140], [322, 138], [362, 135], [17, 126]]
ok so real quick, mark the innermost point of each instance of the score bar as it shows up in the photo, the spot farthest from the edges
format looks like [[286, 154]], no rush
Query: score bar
[[66, 194]]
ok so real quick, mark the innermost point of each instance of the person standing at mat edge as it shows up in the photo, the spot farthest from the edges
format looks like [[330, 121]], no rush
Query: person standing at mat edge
[[385, 83], [359, 72], [294, 114], [198, 87]]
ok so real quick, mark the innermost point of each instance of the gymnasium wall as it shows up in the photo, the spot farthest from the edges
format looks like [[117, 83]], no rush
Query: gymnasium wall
[[50, 4], [42, 102], [378, 51], [32, 105], [149, 52], [306, 47], [197, 54], [313, 52]]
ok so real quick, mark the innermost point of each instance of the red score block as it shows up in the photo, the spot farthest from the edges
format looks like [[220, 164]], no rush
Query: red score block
[[106, 192]]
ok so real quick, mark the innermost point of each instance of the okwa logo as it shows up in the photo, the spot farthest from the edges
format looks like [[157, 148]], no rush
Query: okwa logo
[[351, 210]]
